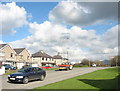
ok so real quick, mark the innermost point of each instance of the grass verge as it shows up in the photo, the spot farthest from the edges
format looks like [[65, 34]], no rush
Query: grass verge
[[51, 69], [10, 72], [100, 80]]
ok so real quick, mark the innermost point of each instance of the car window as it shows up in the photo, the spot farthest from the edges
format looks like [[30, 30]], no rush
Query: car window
[[33, 70], [28, 70], [39, 69]]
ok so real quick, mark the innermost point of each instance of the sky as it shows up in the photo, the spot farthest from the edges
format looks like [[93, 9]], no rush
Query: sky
[[84, 29]]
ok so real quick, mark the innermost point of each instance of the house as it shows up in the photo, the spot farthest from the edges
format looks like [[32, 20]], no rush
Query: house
[[43, 59], [7, 55], [22, 57], [59, 59]]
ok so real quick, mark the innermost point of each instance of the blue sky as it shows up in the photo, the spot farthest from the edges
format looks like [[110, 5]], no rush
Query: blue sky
[[39, 12]]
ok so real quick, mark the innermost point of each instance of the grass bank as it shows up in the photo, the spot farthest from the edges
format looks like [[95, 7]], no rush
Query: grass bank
[[100, 80]]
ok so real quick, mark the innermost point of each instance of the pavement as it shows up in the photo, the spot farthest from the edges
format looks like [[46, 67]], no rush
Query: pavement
[[52, 76]]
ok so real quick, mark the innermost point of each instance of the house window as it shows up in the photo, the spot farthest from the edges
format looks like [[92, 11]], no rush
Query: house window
[[11, 55], [46, 59], [27, 57], [42, 58], [21, 56]]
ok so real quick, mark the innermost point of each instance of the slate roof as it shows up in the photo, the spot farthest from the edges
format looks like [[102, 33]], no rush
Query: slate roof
[[41, 54], [57, 57], [19, 50], [2, 45]]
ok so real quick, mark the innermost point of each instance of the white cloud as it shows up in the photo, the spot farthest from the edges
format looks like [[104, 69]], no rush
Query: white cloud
[[1, 42], [49, 37], [83, 13], [11, 17], [52, 37]]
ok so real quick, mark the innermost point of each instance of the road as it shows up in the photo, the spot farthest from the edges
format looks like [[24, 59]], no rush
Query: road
[[52, 76]]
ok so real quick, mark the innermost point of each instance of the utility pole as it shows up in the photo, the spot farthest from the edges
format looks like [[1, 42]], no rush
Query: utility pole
[[66, 36], [116, 60]]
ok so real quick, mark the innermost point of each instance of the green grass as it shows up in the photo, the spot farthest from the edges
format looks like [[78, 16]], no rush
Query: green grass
[[98, 80], [51, 69], [10, 72]]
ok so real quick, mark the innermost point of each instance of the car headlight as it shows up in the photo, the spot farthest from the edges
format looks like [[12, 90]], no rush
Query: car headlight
[[19, 76], [8, 75]]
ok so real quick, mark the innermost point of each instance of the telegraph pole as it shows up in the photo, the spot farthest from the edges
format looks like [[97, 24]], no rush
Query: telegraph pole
[[66, 36]]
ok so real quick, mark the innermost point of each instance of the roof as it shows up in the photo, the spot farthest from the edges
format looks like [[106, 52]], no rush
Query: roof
[[19, 50], [41, 54], [57, 57], [65, 58], [2, 45]]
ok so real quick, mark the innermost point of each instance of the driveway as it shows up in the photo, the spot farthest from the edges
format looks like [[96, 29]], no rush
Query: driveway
[[52, 76]]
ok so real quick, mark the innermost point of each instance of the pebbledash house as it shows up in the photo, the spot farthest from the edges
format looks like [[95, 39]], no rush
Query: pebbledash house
[[15, 57], [20, 57], [44, 59]]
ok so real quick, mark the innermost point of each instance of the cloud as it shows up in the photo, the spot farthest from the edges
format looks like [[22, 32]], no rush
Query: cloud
[[52, 38], [83, 13], [11, 17]]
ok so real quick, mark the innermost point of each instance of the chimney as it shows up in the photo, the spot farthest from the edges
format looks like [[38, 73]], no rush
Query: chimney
[[58, 53]]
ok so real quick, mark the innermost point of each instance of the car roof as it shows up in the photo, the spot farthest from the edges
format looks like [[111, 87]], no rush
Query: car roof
[[30, 67]]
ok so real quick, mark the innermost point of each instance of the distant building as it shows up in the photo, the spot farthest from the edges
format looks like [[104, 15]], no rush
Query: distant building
[[59, 59], [43, 59], [106, 62]]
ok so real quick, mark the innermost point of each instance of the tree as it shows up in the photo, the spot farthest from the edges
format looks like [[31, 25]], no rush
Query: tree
[[85, 62], [115, 61]]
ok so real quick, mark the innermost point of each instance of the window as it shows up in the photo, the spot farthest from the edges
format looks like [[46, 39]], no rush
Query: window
[[39, 69], [42, 58], [46, 59], [27, 57], [21, 56], [11, 55]]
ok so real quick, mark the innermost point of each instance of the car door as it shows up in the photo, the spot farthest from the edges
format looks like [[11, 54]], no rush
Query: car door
[[36, 73], [30, 73], [39, 72]]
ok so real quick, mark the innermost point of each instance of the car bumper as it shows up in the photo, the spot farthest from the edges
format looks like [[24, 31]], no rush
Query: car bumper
[[62, 68], [15, 79]]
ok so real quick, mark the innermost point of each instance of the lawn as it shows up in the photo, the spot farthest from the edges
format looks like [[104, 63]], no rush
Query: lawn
[[100, 80], [10, 71], [51, 69]]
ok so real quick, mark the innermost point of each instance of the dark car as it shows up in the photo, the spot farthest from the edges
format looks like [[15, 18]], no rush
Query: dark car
[[27, 74], [8, 67]]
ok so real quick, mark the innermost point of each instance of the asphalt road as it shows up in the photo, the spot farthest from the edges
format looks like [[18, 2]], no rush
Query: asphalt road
[[52, 76]]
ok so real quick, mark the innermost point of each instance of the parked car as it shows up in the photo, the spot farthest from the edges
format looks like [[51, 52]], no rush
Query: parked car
[[7, 66], [46, 67], [27, 74]]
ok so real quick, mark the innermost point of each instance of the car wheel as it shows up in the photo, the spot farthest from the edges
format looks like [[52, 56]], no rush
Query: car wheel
[[42, 77], [25, 80], [9, 81], [67, 69]]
